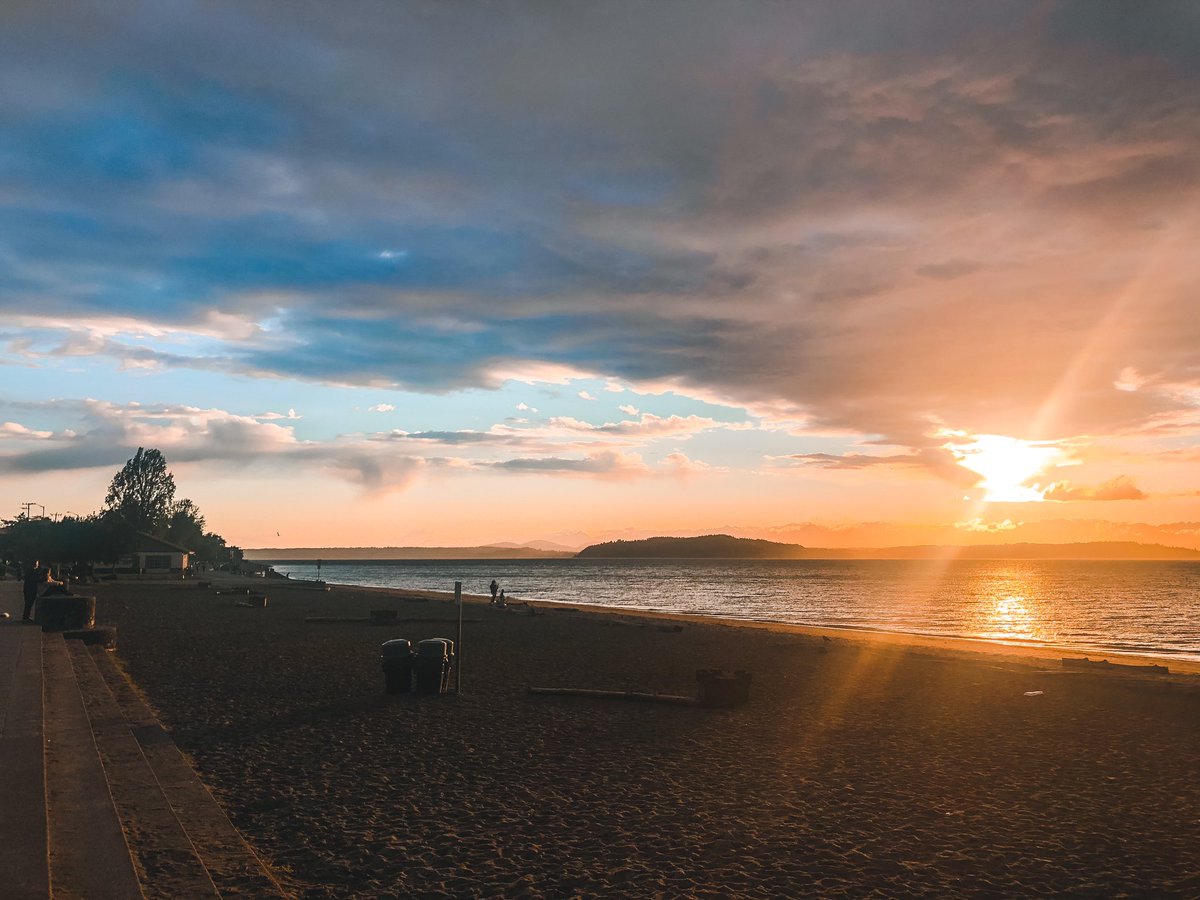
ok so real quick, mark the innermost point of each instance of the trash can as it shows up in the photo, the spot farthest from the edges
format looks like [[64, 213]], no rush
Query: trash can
[[434, 659], [397, 659]]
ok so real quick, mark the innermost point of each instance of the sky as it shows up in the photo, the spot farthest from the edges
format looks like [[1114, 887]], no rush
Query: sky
[[374, 274]]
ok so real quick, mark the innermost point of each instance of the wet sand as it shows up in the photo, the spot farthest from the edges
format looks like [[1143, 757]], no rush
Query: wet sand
[[862, 764]]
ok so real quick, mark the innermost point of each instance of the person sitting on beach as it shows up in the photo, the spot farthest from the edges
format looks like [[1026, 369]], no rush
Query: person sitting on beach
[[494, 586]]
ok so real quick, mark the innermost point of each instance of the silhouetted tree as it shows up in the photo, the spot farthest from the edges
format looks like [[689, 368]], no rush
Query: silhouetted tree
[[143, 492], [215, 552], [140, 498], [185, 526], [97, 538]]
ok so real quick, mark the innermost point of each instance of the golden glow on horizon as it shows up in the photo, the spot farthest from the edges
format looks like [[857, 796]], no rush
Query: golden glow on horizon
[[1006, 465]]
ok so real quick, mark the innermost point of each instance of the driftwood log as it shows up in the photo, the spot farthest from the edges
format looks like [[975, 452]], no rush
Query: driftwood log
[[1103, 665]]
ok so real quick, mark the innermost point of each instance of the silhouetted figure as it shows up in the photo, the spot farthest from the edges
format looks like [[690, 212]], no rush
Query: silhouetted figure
[[501, 601], [34, 576], [494, 587]]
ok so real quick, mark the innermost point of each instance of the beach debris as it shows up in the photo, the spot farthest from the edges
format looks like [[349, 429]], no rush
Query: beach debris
[[1034, 693], [615, 695], [5, 615], [1103, 665]]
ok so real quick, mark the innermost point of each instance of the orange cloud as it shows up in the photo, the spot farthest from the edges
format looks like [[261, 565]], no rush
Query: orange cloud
[[1119, 488]]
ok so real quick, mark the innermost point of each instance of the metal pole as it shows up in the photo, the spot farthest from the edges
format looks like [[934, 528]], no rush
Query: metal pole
[[458, 646]]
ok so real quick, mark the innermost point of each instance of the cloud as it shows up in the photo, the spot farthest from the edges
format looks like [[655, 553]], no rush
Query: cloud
[[373, 473], [459, 200], [290, 416], [628, 410], [584, 395], [604, 463], [649, 425], [979, 525], [381, 408], [450, 438], [1120, 488], [105, 434], [17, 431], [856, 460], [681, 466], [956, 268], [1129, 380]]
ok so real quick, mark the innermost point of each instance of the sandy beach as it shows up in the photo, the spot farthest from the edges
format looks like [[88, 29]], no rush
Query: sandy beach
[[861, 765]]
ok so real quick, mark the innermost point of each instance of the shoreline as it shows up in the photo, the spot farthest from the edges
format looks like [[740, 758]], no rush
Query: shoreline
[[1034, 654]]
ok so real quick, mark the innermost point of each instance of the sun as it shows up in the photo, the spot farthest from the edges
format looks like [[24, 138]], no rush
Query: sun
[[1006, 466]]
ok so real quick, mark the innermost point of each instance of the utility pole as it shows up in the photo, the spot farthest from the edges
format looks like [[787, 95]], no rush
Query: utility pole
[[458, 650], [28, 507]]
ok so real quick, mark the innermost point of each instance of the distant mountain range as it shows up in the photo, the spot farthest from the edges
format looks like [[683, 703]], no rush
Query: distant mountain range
[[723, 546], [330, 554]]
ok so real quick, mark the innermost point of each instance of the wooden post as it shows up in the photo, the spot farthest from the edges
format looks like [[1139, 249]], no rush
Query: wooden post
[[458, 647]]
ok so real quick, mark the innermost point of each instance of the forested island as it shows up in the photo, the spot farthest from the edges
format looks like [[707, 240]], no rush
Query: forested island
[[710, 546], [724, 546]]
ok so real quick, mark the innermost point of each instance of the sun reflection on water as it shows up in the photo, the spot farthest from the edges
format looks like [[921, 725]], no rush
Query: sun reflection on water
[[1010, 617], [1010, 604]]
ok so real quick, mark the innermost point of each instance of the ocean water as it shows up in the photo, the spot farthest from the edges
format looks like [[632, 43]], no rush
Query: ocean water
[[1141, 607]]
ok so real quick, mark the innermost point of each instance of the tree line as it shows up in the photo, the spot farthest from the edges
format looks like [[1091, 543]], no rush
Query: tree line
[[140, 500]]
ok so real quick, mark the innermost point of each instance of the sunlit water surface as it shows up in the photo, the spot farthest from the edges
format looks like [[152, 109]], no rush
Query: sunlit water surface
[[1122, 606]]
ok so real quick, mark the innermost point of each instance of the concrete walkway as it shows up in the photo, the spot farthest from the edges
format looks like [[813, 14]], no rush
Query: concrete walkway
[[97, 799], [24, 843]]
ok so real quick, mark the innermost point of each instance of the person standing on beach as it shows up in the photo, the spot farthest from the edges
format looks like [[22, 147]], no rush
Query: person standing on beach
[[34, 575], [494, 587]]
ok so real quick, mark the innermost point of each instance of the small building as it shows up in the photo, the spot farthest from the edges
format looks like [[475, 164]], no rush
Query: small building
[[151, 554]]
